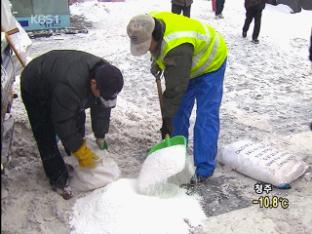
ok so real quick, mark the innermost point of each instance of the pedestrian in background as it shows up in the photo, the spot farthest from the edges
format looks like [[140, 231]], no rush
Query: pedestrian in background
[[219, 9], [254, 10], [181, 5]]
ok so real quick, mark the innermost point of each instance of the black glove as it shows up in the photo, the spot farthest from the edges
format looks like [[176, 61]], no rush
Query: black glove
[[166, 128], [155, 70]]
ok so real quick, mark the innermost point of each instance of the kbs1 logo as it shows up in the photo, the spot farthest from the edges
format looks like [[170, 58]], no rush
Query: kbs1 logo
[[45, 20]]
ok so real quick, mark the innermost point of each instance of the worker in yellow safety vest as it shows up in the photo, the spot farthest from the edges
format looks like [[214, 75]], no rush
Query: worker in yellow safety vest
[[192, 56]]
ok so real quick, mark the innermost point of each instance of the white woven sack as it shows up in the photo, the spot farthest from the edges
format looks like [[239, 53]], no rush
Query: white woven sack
[[105, 172], [262, 162]]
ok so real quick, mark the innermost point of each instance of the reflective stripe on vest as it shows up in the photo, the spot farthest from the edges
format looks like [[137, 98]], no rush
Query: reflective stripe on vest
[[179, 35], [197, 57], [208, 62]]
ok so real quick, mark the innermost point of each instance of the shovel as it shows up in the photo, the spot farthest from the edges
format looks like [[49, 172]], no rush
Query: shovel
[[163, 161]]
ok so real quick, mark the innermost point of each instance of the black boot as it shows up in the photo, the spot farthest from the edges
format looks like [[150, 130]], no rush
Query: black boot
[[197, 179]]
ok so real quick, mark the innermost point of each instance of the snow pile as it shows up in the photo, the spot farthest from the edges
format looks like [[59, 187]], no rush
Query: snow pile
[[101, 12], [293, 27], [95, 13], [119, 209]]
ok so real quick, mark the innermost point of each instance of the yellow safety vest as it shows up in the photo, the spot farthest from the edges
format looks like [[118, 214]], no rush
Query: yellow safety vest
[[210, 49]]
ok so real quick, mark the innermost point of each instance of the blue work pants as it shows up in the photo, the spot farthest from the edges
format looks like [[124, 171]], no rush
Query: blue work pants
[[207, 91]]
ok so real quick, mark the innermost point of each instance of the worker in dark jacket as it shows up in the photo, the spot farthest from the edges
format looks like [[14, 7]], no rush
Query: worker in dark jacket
[[192, 56], [254, 10], [178, 6], [56, 88]]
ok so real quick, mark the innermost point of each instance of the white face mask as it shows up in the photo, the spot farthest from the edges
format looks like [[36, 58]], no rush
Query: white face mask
[[109, 103]]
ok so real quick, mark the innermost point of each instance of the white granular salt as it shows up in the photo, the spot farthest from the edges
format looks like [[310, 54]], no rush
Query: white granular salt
[[159, 167], [119, 209]]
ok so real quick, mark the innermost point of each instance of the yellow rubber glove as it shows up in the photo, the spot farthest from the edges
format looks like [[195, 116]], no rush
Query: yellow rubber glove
[[85, 156]]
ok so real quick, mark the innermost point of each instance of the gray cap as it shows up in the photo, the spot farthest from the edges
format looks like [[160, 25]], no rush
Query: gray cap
[[140, 29]]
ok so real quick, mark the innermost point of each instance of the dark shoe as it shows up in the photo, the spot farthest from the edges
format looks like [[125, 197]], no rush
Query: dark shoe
[[65, 191], [255, 41], [196, 179], [244, 34]]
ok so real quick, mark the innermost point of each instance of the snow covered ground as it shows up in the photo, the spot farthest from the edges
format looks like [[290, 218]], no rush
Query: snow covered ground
[[267, 96]]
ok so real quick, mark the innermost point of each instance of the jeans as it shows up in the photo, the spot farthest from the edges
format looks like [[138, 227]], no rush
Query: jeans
[[177, 9], [253, 12], [219, 6]]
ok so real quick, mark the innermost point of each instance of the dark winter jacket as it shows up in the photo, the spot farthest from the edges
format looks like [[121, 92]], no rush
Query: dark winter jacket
[[182, 2], [178, 63], [255, 3], [61, 80], [177, 75]]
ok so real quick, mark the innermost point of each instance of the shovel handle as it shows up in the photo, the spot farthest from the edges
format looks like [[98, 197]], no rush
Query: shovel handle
[[160, 97], [159, 89]]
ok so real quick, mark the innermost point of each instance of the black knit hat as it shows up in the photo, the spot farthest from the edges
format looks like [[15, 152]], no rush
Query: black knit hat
[[109, 80]]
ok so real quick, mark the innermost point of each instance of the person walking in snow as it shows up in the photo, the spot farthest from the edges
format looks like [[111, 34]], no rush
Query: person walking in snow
[[178, 6], [192, 56], [254, 10], [56, 89], [219, 9]]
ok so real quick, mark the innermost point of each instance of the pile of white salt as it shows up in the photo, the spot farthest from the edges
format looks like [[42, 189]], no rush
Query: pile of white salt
[[120, 209], [159, 167]]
